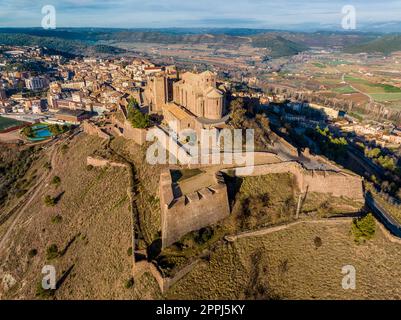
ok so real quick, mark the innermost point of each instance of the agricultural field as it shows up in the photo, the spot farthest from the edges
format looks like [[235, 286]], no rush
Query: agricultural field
[[387, 97], [370, 86], [344, 90], [379, 92]]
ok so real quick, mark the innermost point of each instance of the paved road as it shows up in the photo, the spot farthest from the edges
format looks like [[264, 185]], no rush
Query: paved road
[[284, 154], [389, 222], [367, 163]]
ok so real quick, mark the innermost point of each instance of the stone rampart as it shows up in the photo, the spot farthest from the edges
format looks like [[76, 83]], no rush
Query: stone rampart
[[126, 130], [339, 184], [190, 212], [92, 129]]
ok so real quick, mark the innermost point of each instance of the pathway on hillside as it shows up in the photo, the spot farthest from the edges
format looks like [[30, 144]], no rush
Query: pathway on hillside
[[35, 190], [269, 230]]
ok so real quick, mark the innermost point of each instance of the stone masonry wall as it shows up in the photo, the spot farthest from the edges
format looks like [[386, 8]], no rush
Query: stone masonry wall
[[92, 129], [339, 184], [193, 211], [128, 132]]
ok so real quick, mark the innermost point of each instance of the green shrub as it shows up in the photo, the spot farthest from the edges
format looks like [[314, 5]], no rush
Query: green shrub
[[129, 283], [129, 251], [64, 148], [28, 132], [204, 235], [364, 228], [32, 253], [43, 293], [57, 219], [56, 180], [50, 201], [52, 252], [318, 242]]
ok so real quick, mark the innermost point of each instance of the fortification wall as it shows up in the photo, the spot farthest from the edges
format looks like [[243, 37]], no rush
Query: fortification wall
[[192, 211], [321, 159], [92, 129], [128, 132], [164, 283], [339, 184]]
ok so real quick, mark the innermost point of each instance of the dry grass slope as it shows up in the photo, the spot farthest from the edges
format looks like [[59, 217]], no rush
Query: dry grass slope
[[294, 268], [92, 237]]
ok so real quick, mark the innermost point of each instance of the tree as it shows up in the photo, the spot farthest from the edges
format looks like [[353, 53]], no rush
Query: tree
[[136, 117], [28, 132], [237, 113], [386, 162], [372, 153], [364, 228], [57, 129]]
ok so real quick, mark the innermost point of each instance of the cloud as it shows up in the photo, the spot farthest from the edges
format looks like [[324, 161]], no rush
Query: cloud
[[188, 13]]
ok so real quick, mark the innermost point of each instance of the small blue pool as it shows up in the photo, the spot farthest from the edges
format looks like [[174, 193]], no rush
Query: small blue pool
[[41, 132]]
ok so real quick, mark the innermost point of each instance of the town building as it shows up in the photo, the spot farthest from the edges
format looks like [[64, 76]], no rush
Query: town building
[[72, 116]]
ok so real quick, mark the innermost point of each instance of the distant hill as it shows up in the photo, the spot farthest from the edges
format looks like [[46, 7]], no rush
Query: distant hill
[[84, 41], [57, 44], [328, 39], [280, 43], [384, 45], [279, 46]]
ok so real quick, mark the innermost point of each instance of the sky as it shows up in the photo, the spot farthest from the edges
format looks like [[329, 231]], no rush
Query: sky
[[195, 13]]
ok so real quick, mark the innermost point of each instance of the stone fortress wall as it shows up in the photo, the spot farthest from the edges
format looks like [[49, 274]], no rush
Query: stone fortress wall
[[92, 129], [125, 129], [339, 184], [190, 212]]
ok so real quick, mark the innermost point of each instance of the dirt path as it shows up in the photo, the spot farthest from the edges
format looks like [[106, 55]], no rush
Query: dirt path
[[356, 89], [268, 230]]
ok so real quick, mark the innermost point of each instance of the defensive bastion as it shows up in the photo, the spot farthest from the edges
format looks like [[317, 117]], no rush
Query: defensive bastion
[[185, 213]]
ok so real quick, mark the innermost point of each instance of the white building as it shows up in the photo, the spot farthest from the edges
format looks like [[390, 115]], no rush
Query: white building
[[36, 83]]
